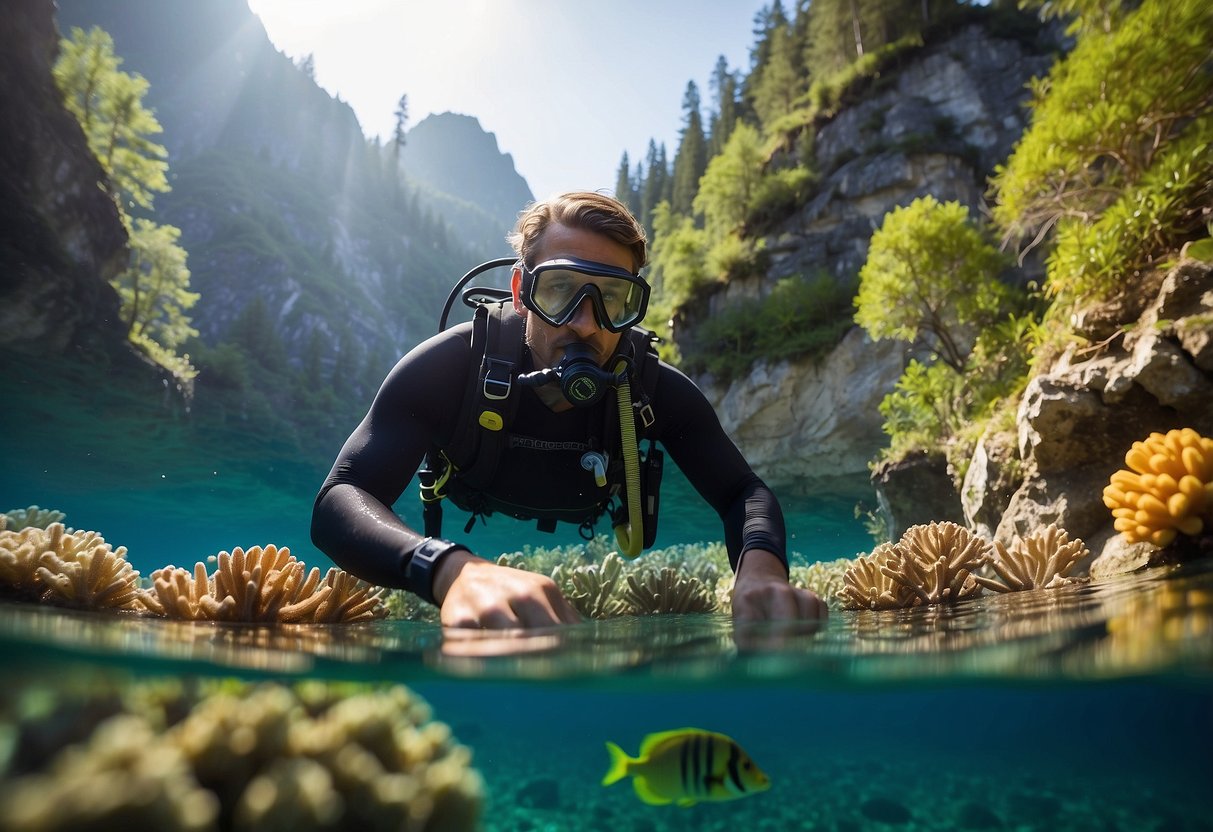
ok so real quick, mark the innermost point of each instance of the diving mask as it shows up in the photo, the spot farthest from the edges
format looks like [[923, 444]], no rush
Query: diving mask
[[554, 290]]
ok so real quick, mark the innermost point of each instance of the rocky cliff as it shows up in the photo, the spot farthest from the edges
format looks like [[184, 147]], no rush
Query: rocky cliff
[[60, 234], [1150, 369], [938, 125]]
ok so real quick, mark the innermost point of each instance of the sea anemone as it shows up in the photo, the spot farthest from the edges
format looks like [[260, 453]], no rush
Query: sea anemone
[[1169, 490]]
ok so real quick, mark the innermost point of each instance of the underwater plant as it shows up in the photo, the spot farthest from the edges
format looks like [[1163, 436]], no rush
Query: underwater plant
[[232, 755], [1168, 489], [1040, 560]]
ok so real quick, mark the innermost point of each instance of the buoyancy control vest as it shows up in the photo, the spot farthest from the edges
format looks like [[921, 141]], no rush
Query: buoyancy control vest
[[464, 470]]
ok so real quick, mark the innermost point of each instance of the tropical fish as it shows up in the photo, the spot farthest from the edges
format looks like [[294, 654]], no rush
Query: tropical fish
[[687, 766]]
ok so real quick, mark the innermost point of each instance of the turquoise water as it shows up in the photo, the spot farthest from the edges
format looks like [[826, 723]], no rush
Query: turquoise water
[[1079, 708]]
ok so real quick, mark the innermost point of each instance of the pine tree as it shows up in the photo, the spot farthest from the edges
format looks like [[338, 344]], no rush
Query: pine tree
[[653, 190], [625, 186], [779, 85], [692, 157], [724, 116]]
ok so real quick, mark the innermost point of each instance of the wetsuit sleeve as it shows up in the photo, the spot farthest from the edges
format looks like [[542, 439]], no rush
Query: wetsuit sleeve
[[417, 405], [690, 430]]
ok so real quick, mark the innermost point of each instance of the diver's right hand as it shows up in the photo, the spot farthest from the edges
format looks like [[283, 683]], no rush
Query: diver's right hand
[[473, 592]]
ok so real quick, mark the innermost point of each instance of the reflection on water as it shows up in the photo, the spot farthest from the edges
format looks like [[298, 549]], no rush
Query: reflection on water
[[1155, 623]]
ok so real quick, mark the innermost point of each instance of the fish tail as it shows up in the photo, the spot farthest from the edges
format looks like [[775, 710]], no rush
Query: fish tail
[[619, 764]]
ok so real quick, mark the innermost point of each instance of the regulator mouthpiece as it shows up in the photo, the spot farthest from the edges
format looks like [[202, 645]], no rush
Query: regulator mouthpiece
[[581, 380]]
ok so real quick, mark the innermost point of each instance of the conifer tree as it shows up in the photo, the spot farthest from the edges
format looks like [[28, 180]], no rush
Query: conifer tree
[[779, 85], [625, 186], [653, 190], [692, 157], [724, 116]]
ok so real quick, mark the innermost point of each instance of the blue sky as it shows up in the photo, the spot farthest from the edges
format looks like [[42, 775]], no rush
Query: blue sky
[[565, 85]]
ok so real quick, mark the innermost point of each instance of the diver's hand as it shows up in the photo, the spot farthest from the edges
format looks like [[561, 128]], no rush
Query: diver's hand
[[761, 592], [473, 592]]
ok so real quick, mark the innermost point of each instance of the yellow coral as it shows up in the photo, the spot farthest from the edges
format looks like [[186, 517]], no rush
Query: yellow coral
[[1168, 491], [931, 564]]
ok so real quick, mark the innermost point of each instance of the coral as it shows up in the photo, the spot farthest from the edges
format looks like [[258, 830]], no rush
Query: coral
[[591, 588], [931, 564], [229, 755], [866, 585], [1168, 491], [122, 778], [1041, 560], [824, 578], [665, 590], [71, 568], [29, 518], [263, 584]]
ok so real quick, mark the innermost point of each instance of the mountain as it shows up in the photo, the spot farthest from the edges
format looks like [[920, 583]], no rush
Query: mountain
[[450, 153], [281, 197]]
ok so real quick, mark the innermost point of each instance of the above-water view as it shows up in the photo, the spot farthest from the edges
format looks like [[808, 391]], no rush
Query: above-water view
[[633, 417]]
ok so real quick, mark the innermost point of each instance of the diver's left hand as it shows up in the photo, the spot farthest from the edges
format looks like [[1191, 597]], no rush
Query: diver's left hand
[[761, 592]]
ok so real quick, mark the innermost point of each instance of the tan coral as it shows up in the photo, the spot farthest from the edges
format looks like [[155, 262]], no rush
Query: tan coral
[[931, 564], [654, 591], [867, 586], [29, 518], [263, 584], [73, 568], [1041, 560], [1168, 491]]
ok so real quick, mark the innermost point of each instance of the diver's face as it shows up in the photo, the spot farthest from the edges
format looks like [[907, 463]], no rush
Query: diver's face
[[547, 342]]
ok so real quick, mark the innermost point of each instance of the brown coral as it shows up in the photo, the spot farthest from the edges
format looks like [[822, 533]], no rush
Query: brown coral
[[1168, 491], [1041, 560]]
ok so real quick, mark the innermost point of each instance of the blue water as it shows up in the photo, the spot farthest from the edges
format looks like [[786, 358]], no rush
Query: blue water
[[1082, 708]]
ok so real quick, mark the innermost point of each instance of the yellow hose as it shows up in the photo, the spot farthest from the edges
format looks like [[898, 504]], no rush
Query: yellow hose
[[631, 537]]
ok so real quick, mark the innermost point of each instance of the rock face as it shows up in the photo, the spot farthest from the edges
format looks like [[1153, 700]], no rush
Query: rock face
[[1077, 420], [807, 425], [948, 116], [60, 235]]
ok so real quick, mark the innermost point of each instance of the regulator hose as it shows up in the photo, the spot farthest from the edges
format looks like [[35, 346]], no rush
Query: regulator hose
[[630, 536]]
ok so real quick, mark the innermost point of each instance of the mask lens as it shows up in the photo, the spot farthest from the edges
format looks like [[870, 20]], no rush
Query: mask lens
[[557, 292]]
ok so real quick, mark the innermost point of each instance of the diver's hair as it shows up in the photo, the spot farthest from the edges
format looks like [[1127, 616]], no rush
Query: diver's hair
[[586, 210]]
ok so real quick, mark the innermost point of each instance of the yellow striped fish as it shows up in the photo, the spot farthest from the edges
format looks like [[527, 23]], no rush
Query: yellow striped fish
[[687, 766]]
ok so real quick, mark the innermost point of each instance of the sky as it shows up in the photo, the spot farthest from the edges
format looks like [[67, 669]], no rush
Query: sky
[[566, 86]]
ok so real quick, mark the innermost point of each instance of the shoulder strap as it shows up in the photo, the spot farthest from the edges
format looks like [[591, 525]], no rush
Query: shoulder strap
[[491, 399]]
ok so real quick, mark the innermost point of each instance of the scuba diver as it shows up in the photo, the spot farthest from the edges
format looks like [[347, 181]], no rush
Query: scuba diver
[[535, 410]]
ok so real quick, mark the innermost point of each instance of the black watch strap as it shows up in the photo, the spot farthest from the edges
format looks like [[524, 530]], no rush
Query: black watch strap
[[419, 568]]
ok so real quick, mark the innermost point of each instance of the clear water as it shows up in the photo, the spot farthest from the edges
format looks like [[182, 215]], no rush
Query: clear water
[[1080, 708]]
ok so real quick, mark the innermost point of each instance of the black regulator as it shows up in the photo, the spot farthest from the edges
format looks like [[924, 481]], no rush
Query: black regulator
[[581, 380]]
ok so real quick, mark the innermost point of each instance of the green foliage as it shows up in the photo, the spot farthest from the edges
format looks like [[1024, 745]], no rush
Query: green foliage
[[798, 318], [929, 273], [1105, 116], [108, 103], [678, 262], [730, 181], [779, 193], [1091, 258], [692, 157], [923, 408], [154, 292]]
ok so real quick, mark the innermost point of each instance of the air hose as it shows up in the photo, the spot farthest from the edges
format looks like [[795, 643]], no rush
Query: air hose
[[631, 536]]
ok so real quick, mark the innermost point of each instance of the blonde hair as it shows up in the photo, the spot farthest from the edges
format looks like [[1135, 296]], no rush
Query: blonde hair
[[586, 210]]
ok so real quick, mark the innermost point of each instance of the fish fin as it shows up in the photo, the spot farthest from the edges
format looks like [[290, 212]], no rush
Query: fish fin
[[619, 764], [641, 785], [653, 741]]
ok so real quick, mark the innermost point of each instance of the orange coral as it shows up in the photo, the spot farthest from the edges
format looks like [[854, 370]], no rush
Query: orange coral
[[1168, 491]]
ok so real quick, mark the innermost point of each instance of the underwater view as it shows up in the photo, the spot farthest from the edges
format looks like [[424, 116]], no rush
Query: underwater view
[[1084, 706]]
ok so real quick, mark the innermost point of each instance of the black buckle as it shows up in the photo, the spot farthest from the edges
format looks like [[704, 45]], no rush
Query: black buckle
[[495, 369]]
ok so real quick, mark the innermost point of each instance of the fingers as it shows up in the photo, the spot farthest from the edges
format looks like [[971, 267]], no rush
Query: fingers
[[778, 602], [500, 598]]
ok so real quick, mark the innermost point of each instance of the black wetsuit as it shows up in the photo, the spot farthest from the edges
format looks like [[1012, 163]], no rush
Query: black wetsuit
[[418, 406]]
